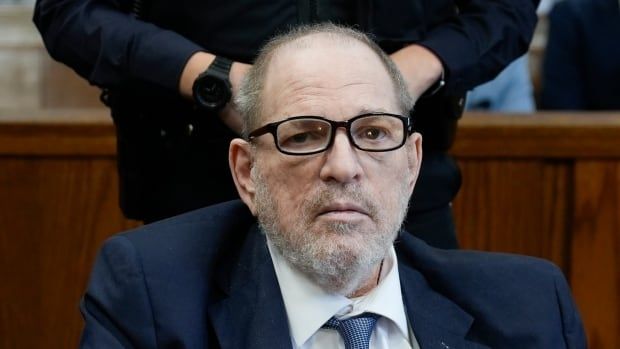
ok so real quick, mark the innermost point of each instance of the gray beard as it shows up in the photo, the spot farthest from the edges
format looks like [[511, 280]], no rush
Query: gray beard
[[337, 267]]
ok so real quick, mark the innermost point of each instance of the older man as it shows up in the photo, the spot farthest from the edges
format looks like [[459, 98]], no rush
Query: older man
[[327, 167]]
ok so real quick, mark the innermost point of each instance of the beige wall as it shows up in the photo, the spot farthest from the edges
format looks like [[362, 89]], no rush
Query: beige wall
[[29, 78]]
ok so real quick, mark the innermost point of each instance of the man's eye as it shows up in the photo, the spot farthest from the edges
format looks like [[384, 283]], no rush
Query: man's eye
[[373, 133], [299, 138]]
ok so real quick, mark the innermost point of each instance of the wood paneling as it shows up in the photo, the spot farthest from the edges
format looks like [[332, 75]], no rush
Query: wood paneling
[[514, 206], [59, 202], [595, 268], [54, 215]]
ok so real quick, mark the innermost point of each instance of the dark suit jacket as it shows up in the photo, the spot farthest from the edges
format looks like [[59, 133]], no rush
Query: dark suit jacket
[[205, 280], [581, 67]]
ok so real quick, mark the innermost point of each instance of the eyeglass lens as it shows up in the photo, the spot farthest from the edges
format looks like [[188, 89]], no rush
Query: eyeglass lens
[[373, 132]]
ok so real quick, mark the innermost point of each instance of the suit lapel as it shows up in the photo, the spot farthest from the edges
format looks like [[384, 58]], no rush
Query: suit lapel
[[437, 322], [251, 313]]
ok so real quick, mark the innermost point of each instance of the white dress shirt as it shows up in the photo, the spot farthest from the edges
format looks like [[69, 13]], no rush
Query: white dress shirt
[[308, 307]]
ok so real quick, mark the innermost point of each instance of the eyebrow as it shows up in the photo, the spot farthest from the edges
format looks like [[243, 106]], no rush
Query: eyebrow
[[362, 110], [366, 110]]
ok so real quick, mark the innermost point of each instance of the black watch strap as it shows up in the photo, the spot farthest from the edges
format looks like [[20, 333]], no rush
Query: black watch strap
[[431, 91], [220, 66]]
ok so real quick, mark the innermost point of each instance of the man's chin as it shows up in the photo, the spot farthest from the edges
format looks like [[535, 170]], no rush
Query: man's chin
[[343, 273]]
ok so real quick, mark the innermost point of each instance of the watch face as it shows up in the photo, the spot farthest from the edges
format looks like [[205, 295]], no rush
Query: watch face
[[212, 93]]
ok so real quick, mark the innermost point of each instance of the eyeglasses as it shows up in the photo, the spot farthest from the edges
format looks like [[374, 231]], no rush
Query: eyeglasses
[[306, 135]]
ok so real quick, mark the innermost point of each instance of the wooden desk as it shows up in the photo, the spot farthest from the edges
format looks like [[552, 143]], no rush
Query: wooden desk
[[546, 186]]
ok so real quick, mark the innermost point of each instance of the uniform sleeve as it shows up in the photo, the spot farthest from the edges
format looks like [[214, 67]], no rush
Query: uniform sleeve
[[483, 38], [562, 80], [116, 307], [107, 46]]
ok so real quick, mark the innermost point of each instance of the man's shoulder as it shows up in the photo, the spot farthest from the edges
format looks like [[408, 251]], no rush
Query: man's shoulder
[[167, 273], [503, 292], [197, 235], [495, 284], [210, 220], [479, 269], [510, 297]]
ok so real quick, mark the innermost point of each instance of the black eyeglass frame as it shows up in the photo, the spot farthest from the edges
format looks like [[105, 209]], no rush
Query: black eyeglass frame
[[273, 129]]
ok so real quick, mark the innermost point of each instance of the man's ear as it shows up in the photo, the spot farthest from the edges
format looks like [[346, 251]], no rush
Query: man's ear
[[414, 152], [240, 160]]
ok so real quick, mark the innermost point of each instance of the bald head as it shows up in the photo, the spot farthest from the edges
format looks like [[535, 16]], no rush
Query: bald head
[[309, 49]]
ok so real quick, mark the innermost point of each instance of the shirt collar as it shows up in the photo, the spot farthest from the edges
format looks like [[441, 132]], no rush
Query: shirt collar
[[308, 306]]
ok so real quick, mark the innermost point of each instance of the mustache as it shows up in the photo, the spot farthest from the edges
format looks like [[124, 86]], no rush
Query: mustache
[[327, 194]]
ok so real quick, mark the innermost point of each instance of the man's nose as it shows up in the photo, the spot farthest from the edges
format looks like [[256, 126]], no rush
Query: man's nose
[[341, 160]]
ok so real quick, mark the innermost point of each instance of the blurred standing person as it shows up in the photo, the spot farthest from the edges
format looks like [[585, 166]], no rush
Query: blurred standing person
[[581, 68], [169, 70], [510, 92]]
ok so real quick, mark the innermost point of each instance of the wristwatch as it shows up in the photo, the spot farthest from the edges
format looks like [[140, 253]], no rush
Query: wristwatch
[[435, 87], [212, 89]]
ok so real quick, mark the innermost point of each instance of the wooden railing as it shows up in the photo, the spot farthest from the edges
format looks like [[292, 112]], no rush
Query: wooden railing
[[546, 185]]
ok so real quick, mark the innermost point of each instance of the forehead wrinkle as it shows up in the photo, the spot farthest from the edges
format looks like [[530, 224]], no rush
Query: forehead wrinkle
[[301, 92], [303, 88]]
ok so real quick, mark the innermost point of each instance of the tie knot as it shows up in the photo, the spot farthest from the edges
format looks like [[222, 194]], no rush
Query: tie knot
[[355, 331]]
